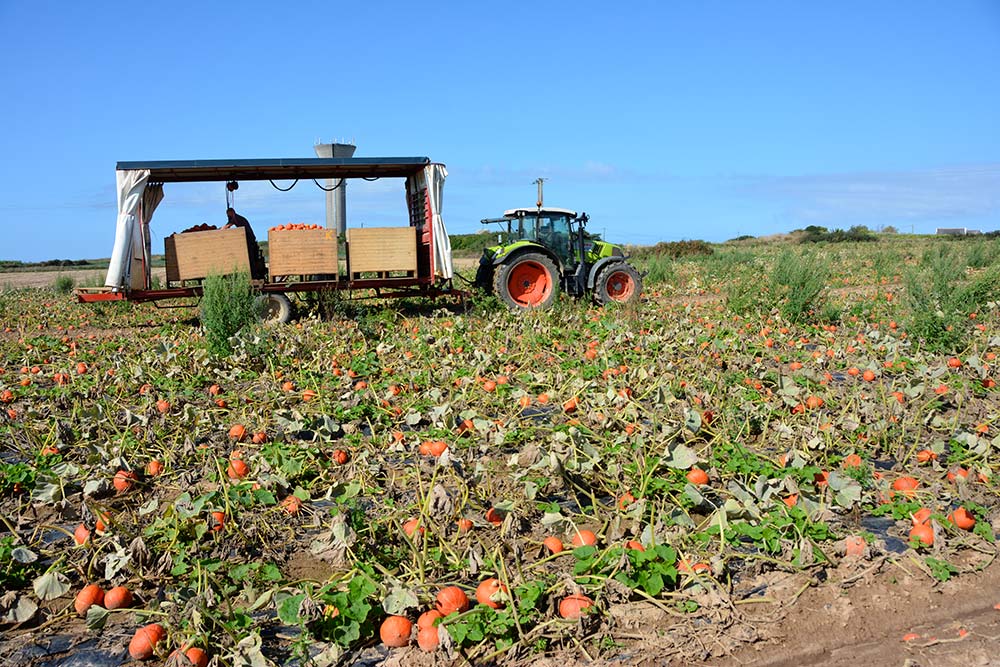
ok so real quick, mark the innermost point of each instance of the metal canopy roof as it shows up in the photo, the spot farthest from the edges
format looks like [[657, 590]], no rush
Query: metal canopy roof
[[186, 171]]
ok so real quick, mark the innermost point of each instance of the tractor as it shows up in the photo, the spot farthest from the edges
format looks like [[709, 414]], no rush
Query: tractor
[[543, 250]]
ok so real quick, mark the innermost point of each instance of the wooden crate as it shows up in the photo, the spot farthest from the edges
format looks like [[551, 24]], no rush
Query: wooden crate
[[301, 252], [382, 250], [194, 255]]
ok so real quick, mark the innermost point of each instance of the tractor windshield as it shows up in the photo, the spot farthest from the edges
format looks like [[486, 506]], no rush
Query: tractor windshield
[[551, 229]]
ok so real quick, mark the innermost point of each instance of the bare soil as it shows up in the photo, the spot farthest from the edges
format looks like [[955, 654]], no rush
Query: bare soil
[[22, 279], [949, 623]]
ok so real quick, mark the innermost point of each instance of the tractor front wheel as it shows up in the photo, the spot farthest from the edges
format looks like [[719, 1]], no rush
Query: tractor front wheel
[[526, 282], [618, 282], [484, 275]]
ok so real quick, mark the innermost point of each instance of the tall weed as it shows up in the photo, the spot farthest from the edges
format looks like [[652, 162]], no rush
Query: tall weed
[[797, 284], [886, 263], [660, 270], [64, 284], [940, 300], [793, 286], [982, 253], [228, 304]]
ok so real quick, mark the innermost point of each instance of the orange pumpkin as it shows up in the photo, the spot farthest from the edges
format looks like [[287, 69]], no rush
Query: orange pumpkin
[[81, 534], [395, 631], [553, 544], [196, 656], [427, 639], [923, 533], [573, 606], [412, 526], [491, 593], [697, 476], [237, 469], [144, 641], [906, 485], [494, 516], [962, 519], [429, 619], [88, 596], [291, 504], [118, 597], [124, 479], [451, 599]]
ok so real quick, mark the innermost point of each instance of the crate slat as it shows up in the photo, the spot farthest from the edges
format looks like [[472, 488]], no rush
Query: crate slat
[[382, 249], [198, 254], [299, 252]]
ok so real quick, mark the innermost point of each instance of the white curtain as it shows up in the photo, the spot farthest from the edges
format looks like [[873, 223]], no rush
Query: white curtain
[[151, 198], [434, 176], [128, 238]]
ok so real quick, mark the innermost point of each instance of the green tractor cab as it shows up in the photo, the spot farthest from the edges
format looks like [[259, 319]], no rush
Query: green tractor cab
[[542, 250]]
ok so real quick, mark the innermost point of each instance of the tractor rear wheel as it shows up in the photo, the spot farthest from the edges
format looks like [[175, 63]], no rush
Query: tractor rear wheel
[[618, 282], [527, 281]]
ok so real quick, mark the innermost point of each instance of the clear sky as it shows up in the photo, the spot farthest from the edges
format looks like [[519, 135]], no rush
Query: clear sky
[[663, 120]]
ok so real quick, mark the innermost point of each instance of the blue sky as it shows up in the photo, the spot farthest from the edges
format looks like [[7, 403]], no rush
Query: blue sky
[[662, 120]]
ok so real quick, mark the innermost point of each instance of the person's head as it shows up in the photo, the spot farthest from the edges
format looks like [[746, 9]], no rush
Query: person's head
[[230, 213]]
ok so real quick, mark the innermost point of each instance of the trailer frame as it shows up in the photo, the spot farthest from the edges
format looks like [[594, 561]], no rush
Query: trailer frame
[[140, 191]]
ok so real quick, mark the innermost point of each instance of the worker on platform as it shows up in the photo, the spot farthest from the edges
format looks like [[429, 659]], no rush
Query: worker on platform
[[257, 268]]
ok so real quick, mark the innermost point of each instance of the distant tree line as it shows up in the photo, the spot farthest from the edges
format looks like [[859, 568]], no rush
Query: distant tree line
[[474, 243], [816, 234], [14, 264], [674, 249]]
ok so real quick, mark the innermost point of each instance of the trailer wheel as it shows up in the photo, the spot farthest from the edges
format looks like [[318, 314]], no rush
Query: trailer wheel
[[618, 282], [276, 308], [528, 281]]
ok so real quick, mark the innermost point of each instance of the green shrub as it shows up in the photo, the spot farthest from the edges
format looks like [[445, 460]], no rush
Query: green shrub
[[64, 284], [797, 284], [229, 303], [982, 253], [816, 234], [886, 264], [474, 244], [940, 300], [659, 270], [745, 294], [793, 286], [674, 249]]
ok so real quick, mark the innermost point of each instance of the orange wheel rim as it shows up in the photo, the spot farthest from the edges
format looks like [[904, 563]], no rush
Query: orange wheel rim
[[529, 284], [620, 286]]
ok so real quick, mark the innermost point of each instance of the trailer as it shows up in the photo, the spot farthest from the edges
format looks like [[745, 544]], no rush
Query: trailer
[[411, 260]]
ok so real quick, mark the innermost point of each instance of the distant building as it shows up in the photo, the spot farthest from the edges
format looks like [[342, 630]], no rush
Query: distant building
[[957, 231]]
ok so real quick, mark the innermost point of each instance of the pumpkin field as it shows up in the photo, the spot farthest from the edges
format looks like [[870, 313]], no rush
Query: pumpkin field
[[668, 482]]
